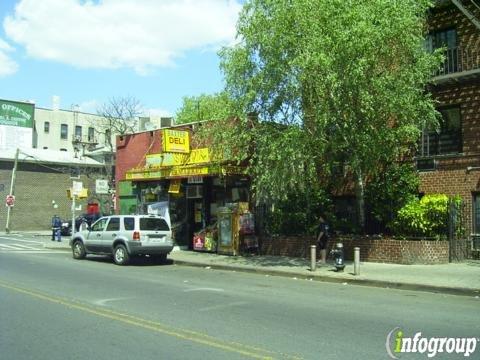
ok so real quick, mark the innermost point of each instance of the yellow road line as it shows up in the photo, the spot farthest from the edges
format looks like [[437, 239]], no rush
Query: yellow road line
[[204, 339]]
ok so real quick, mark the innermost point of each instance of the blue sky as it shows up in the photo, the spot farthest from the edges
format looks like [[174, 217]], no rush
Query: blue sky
[[87, 52]]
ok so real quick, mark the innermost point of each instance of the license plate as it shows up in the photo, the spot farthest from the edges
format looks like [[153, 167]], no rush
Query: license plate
[[156, 239]]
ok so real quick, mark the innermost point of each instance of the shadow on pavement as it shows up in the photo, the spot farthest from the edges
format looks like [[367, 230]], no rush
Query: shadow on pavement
[[135, 261]]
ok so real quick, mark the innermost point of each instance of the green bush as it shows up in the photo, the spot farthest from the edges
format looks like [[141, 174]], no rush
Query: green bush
[[388, 191], [425, 217], [298, 215]]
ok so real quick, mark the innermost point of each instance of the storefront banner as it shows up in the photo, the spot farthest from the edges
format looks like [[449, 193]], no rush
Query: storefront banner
[[176, 141], [190, 171], [184, 171], [16, 114], [196, 156], [145, 174]]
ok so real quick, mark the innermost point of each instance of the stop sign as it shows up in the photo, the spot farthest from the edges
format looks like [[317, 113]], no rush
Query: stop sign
[[10, 200]]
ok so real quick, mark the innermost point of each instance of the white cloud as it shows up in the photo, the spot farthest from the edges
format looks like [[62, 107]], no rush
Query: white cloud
[[139, 34], [89, 106], [157, 112], [7, 65]]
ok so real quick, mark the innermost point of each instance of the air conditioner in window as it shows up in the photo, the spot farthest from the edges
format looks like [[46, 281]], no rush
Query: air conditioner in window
[[194, 192]]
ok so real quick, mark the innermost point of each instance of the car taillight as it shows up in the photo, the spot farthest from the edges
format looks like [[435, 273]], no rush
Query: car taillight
[[136, 235]]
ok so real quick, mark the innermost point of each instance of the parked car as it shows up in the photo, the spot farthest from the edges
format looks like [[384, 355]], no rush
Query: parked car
[[124, 236], [89, 219]]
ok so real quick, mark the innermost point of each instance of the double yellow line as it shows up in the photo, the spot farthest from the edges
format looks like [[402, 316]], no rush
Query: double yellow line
[[188, 335]]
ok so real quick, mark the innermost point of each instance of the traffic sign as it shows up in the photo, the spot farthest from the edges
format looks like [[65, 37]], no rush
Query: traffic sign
[[10, 200]]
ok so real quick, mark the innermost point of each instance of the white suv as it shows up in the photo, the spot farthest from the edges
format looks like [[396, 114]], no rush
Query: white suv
[[123, 236]]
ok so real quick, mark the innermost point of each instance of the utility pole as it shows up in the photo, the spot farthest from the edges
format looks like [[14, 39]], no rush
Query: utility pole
[[73, 213], [12, 189]]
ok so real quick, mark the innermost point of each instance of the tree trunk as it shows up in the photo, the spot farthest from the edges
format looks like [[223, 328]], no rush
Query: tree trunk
[[360, 197]]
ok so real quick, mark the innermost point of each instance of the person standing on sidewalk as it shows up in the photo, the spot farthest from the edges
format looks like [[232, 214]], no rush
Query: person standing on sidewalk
[[56, 228], [322, 238]]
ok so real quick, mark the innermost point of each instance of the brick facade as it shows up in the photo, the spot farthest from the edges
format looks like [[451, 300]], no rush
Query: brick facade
[[371, 249], [458, 174], [35, 189]]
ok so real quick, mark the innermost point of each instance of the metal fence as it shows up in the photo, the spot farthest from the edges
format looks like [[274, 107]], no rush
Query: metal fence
[[459, 59]]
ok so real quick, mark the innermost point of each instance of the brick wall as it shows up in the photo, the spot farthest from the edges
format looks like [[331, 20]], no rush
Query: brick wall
[[35, 189], [131, 151], [451, 176], [374, 250]]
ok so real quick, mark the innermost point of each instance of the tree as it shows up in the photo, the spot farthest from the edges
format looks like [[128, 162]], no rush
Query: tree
[[205, 107], [121, 117], [346, 80]]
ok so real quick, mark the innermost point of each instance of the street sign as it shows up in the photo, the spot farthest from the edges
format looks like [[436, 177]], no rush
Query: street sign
[[77, 187], [101, 186], [10, 200]]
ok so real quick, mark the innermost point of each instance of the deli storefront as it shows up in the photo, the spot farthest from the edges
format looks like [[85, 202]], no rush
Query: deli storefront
[[208, 202]]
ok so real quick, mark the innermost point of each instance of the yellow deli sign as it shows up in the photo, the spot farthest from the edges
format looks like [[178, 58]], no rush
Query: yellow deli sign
[[176, 141], [196, 156]]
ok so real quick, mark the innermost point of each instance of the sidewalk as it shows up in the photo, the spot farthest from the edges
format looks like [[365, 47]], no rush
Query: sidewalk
[[455, 278]]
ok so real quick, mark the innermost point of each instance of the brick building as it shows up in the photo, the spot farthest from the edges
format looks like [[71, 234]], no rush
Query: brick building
[[169, 166], [40, 187], [449, 158]]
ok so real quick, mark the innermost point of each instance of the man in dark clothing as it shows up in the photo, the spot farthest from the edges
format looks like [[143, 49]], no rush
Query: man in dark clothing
[[56, 225], [322, 238]]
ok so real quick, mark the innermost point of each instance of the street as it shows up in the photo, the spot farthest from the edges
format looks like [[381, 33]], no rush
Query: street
[[55, 307]]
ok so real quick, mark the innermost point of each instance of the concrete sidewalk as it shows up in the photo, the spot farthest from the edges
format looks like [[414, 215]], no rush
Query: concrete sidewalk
[[455, 278]]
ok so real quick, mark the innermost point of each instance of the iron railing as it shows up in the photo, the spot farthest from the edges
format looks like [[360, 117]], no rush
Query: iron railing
[[459, 59]]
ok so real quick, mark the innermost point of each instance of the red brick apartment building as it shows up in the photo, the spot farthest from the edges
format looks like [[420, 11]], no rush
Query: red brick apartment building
[[449, 159]]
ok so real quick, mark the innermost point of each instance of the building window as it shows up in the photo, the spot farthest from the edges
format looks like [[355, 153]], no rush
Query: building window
[[91, 134], [46, 127], [445, 39], [108, 135], [78, 133], [63, 149], [64, 131], [447, 139]]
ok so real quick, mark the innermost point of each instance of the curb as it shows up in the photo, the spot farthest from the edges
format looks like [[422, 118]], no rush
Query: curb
[[346, 281]]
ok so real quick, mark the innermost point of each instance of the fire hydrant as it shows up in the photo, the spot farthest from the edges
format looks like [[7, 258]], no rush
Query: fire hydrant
[[338, 256]]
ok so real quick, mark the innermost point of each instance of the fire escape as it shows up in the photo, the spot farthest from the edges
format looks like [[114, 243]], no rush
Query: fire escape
[[462, 62], [80, 141]]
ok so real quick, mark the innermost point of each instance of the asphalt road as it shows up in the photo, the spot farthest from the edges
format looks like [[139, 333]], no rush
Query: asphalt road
[[54, 307]]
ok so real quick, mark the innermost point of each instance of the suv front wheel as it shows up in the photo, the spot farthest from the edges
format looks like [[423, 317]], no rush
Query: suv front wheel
[[120, 255], [78, 250]]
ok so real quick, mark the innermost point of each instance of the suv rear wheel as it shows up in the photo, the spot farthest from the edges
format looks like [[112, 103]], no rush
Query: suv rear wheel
[[120, 255]]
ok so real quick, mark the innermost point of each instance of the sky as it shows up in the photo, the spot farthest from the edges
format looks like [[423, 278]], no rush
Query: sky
[[88, 52]]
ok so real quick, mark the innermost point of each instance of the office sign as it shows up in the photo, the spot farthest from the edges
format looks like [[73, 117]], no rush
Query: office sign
[[14, 113]]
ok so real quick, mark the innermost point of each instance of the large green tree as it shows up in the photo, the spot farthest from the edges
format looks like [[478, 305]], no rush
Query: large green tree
[[204, 107], [344, 80]]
